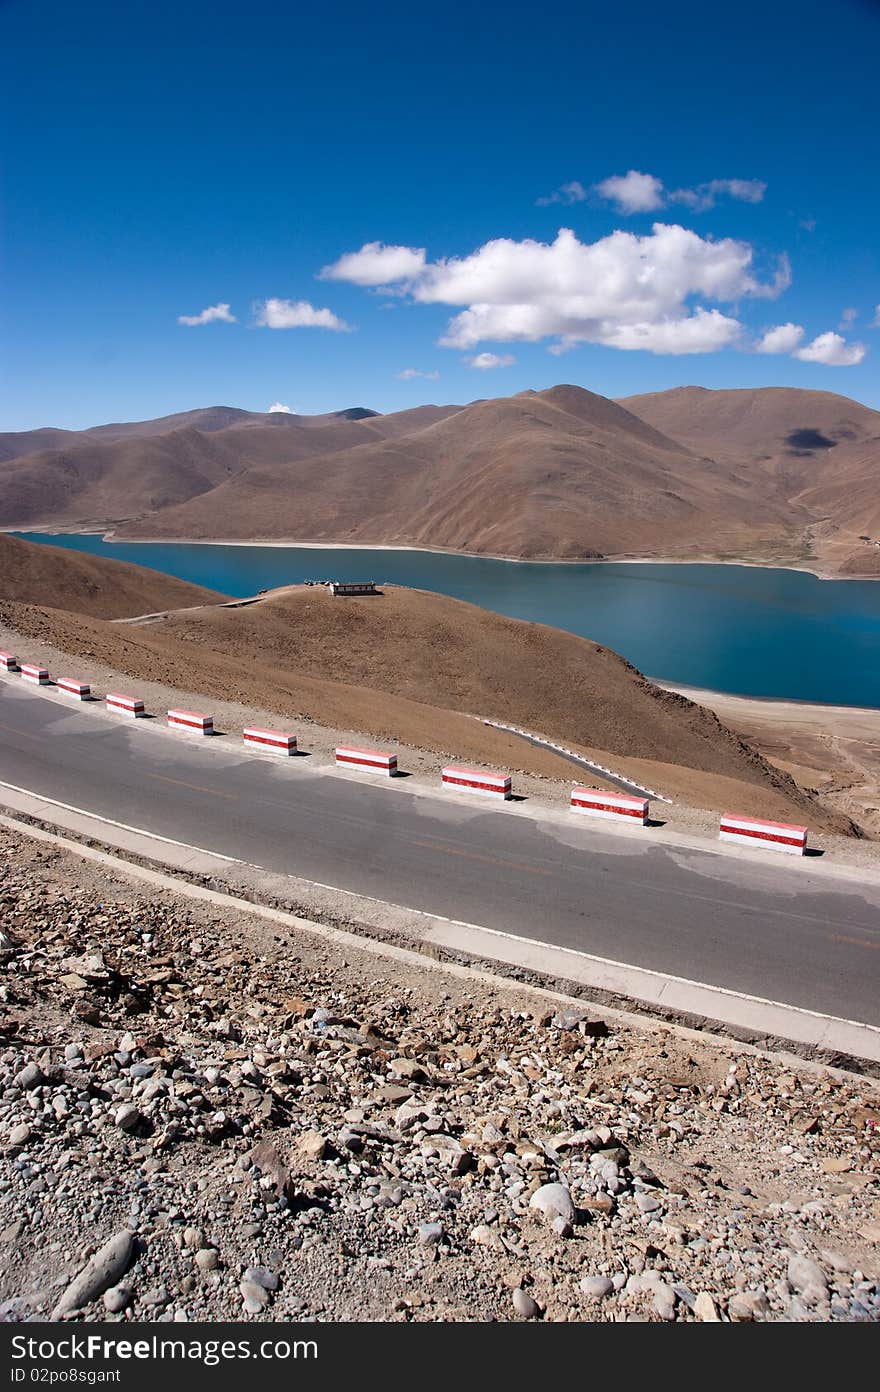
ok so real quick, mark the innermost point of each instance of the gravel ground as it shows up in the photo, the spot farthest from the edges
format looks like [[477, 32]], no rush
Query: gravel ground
[[205, 1117]]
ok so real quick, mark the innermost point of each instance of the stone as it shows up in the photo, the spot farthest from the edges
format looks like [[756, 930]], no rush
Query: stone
[[207, 1259], [807, 1279], [484, 1236], [193, 1239], [524, 1305], [704, 1308], [116, 1299], [100, 1272], [261, 1276], [30, 1077], [664, 1300], [748, 1305], [553, 1201], [19, 1135], [430, 1234], [647, 1204], [311, 1145], [127, 1117], [596, 1287]]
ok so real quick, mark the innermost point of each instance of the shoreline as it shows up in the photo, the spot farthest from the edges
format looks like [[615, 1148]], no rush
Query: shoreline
[[110, 538]]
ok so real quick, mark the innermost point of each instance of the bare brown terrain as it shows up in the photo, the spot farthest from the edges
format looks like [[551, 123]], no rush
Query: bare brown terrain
[[62, 579], [775, 475], [831, 750], [416, 668], [816, 452]]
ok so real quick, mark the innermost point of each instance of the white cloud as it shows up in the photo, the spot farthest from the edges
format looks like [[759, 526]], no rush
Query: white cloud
[[706, 195], [655, 292], [484, 361], [832, 350], [297, 314], [409, 373], [633, 192], [644, 193], [376, 265], [782, 338], [848, 318], [218, 313], [567, 194], [279, 408]]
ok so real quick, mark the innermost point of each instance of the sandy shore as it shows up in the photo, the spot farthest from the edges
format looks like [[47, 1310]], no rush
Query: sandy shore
[[292, 544], [833, 749]]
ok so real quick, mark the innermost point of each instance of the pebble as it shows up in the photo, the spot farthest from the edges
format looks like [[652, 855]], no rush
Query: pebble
[[116, 1299], [99, 1273], [127, 1117], [596, 1287], [524, 1305], [553, 1201]]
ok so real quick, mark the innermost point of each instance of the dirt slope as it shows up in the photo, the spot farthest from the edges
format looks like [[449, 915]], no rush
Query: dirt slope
[[413, 666], [50, 575]]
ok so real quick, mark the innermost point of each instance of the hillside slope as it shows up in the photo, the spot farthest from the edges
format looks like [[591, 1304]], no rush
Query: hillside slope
[[560, 473], [32, 573]]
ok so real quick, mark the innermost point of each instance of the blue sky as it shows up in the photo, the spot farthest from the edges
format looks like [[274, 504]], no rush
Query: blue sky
[[717, 173]]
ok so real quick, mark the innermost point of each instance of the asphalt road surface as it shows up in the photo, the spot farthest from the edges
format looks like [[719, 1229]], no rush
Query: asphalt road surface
[[780, 931]]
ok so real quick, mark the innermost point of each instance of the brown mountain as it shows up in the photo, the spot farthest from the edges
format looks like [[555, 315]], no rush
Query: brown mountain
[[559, 473], [53, 576], [773, 474], [816, 451]]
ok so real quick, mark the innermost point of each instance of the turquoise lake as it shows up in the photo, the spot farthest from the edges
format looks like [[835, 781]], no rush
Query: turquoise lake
[[742, 629]]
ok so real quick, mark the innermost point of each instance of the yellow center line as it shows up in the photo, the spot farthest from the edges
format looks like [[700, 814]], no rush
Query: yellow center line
[[196, 787], [486, 859]]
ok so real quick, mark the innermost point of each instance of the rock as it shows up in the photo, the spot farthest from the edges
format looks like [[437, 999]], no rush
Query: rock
[[553, 1201], [748, 1305], [561, 1226], [664, 1300], [596, 1287], [311, 1145], [704, 1308], [807, 1279], [156, 1297], [261, 1276], [193, 1239], [647, 1204], [484, 1236], [207, 1259], [255, 1296], [101, 1272], [127, 1117], [30, 1077], [524, 1305], [578, 1019], [116, 1299], [430, 1234], [19, 1135]]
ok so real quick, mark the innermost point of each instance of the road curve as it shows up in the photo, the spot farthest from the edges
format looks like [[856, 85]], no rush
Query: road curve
[[776, 931]]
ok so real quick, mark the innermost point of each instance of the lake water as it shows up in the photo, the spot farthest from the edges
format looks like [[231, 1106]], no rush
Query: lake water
[[742, 629]]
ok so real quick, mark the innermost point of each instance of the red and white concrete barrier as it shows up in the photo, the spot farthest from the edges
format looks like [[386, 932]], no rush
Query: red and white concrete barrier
[[367, 760], [192, 721], [275, 741], [80, 691], [8, 662], [619, 807], [477, 781], [38, 675], [773, 836], [125, 705]]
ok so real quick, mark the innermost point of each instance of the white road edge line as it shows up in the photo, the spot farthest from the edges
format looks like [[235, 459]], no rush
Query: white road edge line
[[606, 962], [125, 826]]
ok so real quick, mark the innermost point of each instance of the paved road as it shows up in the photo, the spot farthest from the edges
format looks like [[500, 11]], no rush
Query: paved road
[[778, 931]]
